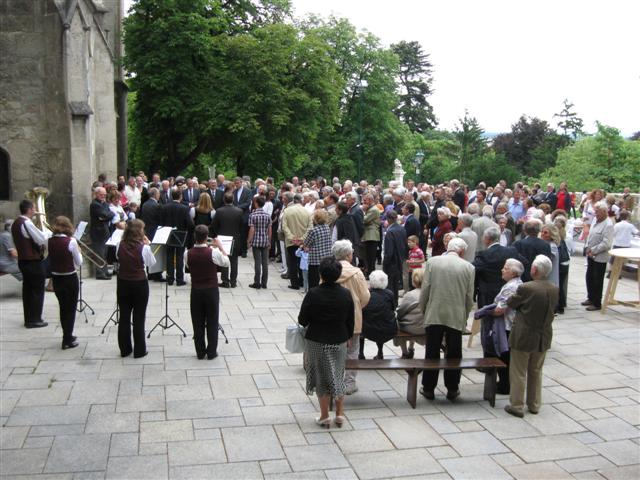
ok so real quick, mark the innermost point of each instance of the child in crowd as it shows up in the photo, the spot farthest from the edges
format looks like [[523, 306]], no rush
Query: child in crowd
[[416, 257], [304, 266]]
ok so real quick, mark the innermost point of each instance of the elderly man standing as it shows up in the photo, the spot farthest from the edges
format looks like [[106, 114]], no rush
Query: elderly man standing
[[395, 252], [597, 247], [531, 246], [296, 222], [446, 298], [481, 223], [99, 228], [530, 338], [469, 236]]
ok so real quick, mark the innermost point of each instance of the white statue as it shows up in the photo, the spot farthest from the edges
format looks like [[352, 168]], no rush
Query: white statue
[[398, 172]]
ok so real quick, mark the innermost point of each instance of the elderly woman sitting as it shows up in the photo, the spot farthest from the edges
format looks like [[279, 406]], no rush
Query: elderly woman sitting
[[410, 318], [353, 280], [498, 320], [379, 316]]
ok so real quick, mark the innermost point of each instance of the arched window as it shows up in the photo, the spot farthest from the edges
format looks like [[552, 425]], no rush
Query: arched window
[[5, 181]]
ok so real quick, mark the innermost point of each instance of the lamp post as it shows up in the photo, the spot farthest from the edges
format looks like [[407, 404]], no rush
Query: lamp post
[[417, 161], [360, 88]]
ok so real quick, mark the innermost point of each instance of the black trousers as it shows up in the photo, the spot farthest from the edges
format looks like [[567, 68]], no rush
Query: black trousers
[[67, 288], [314, 275], [595, 281], [33, 278], [564, 285], [175, 270], [244, 233], [133, 296], [233, 264], [395, 279], [370, 247], [260, 265], [453, 338], [293, 267], [204, 317]]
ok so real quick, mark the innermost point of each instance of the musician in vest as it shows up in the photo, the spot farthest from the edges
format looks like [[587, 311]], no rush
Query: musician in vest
[[203, 261], [30, 243], [64, 259], [133, 254]]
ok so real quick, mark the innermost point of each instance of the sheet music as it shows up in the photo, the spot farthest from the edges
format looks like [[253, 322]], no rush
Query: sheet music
[[227, 243], [82, 226], [115, 238], [162, 235]]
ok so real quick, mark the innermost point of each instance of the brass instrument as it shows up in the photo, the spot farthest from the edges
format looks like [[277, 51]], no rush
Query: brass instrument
[[38, 196]]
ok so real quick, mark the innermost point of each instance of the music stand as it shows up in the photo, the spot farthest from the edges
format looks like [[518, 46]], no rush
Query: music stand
[[115, 315], [177, 238], [82, 305]]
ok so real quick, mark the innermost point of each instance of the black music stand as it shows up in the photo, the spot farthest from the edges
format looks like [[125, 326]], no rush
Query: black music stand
[[83, 306], [115, 315], [177, 238]]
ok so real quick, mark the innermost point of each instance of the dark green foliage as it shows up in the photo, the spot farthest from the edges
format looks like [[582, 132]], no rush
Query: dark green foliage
[[569, 122]]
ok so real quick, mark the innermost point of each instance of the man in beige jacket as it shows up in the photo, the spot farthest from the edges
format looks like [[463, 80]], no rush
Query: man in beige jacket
[[296, 222], [446, 298], [353, 280]]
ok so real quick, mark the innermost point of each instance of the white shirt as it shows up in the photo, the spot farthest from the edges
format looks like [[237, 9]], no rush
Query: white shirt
[[147, 255], [133, 194], [623, 232], [29, 230], [217, 256], [119, 216], [74, 249]]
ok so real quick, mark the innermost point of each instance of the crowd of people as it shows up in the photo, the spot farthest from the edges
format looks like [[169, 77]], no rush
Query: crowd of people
[[443, 250]]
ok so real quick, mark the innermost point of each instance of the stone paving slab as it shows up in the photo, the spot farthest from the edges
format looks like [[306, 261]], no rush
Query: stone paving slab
[[88, 413]]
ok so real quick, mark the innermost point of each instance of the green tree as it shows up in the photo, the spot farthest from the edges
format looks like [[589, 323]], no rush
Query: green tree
[[472, 144], [415, 79], [531, 146], [569, 121]]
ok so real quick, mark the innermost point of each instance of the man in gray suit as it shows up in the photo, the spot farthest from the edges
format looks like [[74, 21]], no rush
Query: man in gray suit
[[530, 338], [597, 248], [446, 299], [469, 236], [481, 223]]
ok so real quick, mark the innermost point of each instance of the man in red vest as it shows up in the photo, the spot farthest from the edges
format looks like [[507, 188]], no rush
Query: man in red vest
[[30, 243], [203, 261]]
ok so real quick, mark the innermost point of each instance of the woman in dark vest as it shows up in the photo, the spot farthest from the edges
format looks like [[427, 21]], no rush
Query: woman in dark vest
[[133, 254], [203, 213], [203, 261], [64, 258]]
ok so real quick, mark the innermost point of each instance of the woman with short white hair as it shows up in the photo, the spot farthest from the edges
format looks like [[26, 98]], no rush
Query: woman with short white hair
[[379, 316], [444, 227]]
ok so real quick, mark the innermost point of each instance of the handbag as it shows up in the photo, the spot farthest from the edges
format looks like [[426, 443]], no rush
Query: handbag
[[295, 338]]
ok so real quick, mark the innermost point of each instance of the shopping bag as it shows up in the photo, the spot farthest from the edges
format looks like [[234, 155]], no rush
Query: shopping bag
[[295, 340]]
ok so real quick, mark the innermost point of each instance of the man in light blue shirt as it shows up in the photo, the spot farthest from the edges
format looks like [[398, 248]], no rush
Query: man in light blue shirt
[[516, 206]]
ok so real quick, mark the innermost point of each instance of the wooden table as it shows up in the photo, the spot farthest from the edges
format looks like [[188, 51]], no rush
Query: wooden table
[[620, 257]]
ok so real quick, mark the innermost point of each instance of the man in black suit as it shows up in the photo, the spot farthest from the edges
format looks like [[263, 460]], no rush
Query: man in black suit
[[345, 229], [165, 192], [550, 197], [531, 246], [395, 252], [439, 202], [488, 264], [151, 215], [458, 195], [191, 194], [228, 221], [411, 223], [423, 217], [99, 231], [357, 214], [176, 214], [242, 200]]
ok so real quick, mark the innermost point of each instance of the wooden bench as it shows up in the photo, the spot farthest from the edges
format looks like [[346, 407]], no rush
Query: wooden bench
[[414, 366]]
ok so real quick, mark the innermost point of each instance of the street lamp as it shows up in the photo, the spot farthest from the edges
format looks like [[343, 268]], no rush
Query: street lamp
[[360, 88], [417, 161]]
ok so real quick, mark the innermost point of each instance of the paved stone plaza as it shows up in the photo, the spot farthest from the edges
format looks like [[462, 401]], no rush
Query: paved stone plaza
[[87, 413]]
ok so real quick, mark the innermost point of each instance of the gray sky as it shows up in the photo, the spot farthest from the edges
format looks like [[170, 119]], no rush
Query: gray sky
[[503, 58]]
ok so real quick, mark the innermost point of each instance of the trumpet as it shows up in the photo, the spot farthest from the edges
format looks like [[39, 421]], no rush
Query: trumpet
[[38, 195]]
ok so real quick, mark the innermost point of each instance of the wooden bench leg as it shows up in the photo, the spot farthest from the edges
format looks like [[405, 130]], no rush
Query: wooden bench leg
[[412, 386], [490, 386]]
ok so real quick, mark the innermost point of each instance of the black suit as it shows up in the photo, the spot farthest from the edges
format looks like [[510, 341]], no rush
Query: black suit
[[395, 254], [528, 248], [190, 195], [488, 264], [242, 200], [151, 215], [345, 229], [458, 199], [412, 227], [165, 197], [228, 220], [175, 214], [433, 218], [99, 231]]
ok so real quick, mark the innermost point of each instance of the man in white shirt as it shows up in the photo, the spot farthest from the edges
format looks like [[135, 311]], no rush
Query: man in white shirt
[[623, 231], [132, 192], [30, 243]]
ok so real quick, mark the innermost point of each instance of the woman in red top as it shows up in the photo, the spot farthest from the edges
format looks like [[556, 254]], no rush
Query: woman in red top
[[64, 258], [444, 227]]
